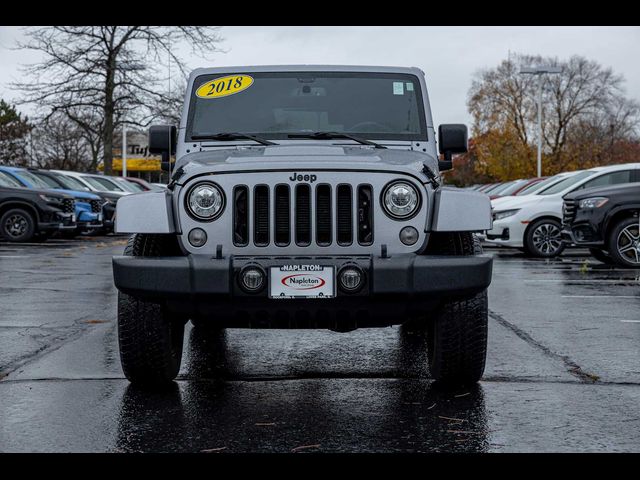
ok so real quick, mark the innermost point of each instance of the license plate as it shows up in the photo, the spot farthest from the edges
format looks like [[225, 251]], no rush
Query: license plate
[[302, 281]]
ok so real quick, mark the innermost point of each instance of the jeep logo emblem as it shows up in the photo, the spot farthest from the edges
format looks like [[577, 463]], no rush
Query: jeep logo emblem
[[296, 177]]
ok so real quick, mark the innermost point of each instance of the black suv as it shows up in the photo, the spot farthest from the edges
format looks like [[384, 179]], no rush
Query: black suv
[[32, 215], [605, 219], [106, 204]]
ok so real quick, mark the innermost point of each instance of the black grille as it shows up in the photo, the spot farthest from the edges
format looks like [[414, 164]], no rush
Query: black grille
[[68, 205], [365, 215], [344, 215], [261, 216], [96, 206], [568, 212], [282, 216], [323, 215], [240, 216], [303, 215]]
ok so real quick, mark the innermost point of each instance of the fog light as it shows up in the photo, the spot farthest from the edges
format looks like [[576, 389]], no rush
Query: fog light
[[409, 235], [197, 237], [350, 279], [252, 279]]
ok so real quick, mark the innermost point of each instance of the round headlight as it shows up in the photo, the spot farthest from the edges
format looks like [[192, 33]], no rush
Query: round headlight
[[400, 200], [205, 201]]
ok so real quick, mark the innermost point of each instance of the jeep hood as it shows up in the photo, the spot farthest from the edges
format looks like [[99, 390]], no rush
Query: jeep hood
[[298, 157]]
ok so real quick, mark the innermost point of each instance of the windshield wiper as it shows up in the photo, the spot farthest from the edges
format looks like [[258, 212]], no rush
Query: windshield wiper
[[330, 135], [232, 136]]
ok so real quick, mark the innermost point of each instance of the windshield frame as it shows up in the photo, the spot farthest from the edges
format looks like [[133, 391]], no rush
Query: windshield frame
[[506, 192], [541, 185], [33, 179], [53, 183], [502, 187], [70, 183], [574, 181], [95, 181], [11, 180], [125, 184], [422, 136]]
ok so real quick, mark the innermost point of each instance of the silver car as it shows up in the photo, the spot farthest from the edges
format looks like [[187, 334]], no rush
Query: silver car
[[304, 197]]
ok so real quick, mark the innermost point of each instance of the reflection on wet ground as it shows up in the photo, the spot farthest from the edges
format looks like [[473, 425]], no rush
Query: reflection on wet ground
[[218, 408], [563, 371]]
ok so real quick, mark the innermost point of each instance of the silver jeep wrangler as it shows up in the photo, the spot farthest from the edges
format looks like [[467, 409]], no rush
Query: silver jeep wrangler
[[304, 197]]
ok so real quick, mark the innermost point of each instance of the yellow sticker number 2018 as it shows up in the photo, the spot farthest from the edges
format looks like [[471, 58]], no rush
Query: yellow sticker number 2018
[[224, 86]]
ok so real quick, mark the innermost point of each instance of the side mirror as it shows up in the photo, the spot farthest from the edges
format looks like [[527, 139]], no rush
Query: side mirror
[[162, 140], [452, 138]]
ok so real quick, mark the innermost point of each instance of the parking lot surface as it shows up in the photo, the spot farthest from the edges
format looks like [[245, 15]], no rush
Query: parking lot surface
[[563, 370]]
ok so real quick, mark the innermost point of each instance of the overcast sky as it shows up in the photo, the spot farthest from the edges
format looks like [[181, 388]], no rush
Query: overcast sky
[[448, 55]]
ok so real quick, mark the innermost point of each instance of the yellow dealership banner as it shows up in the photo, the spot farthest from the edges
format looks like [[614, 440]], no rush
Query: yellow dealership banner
[[136, 164]]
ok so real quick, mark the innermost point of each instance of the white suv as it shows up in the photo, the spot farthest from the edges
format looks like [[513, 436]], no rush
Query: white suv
[[533, 222]]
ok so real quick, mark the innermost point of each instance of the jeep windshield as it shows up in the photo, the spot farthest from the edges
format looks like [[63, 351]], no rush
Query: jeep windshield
[[282, 105]]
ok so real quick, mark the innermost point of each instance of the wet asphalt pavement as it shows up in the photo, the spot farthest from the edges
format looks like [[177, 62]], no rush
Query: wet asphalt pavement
[[563, 370]]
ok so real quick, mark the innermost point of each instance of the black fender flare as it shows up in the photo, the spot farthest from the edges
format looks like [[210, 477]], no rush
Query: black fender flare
[[615, 211], [9, 204]]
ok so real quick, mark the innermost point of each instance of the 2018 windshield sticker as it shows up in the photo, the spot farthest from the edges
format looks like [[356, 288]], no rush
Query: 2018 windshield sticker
[[224, 86]]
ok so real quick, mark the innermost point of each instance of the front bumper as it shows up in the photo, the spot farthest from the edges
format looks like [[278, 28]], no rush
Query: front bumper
[[508, 232], [582, 236], [201, 285], [58, 221]]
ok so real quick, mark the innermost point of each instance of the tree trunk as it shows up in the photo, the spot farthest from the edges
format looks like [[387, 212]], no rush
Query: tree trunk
[[107, 136]]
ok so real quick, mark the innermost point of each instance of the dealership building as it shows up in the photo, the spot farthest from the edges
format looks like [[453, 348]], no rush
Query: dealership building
[[140, 163]]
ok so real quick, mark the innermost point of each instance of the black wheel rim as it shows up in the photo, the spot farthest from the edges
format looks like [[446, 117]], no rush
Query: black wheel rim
[[546, 238], [16, 225], [628, 243]]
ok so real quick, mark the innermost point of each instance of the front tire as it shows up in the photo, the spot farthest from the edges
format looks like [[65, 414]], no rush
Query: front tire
[[457, 341], [624, 242], [542, 238], [601, 255], [17, 225], [150, 338], [457, 333]]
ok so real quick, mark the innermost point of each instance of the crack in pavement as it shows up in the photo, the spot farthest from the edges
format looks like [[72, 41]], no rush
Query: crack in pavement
[[59, 336], [571, 367]]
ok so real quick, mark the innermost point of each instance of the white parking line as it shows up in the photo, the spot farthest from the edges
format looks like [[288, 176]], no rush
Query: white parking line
[[630, 321], [601, 296], [622, 280]]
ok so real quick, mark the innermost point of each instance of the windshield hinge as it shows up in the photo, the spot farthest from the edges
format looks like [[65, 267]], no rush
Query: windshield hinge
[[433, 179], [175, 177]]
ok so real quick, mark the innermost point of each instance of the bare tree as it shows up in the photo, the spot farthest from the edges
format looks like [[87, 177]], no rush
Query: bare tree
[[584, 110], [169, 108], [57, 142], [114, 72], [501, 97]]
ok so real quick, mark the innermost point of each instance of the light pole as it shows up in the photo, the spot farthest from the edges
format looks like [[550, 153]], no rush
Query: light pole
[[539, 71], [124, 150]]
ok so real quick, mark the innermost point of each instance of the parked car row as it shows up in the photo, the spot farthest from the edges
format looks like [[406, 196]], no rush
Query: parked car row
[[36, 204], [596, 208]]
